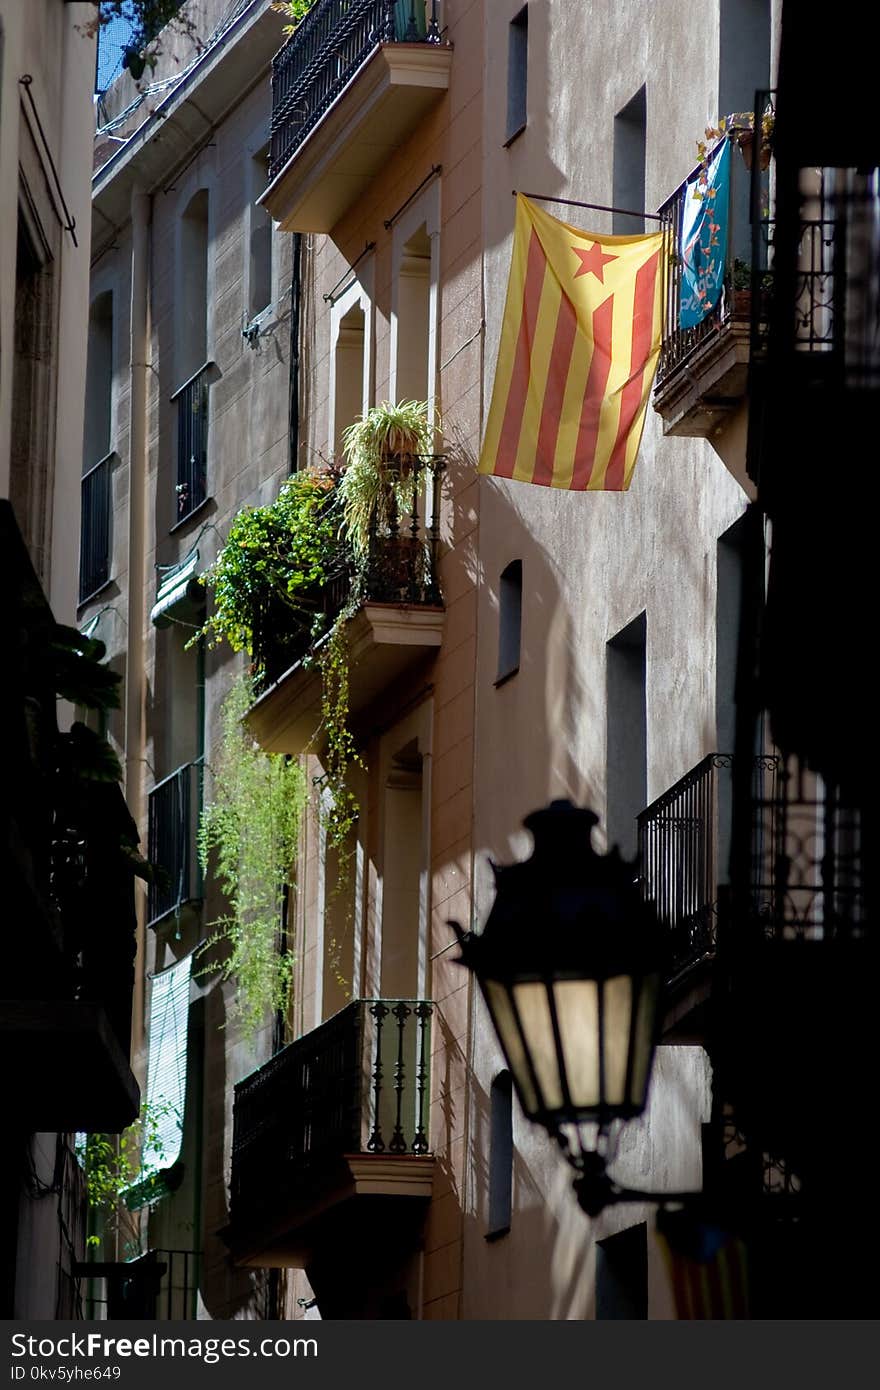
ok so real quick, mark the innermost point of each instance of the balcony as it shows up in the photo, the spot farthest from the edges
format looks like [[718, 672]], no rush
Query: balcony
[[94, 542], [175, 805], [348, 88], [684, 846], [192, 443], [158, 1286], [67, 857], [703, 370], [331, 1142], [397, 622]]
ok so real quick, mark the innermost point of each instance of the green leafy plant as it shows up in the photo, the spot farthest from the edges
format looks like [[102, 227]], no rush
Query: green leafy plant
[[280, 554], [114, 1164], [251, 825], [380, 450], [293, 10]]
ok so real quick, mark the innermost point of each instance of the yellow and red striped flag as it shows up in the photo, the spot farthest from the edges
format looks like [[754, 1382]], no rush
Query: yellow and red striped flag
[[579, 346]]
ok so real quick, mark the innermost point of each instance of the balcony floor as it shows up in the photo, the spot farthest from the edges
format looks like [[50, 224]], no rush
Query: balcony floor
[[384, 639], [360, 1199], [378, 110], [698, 396]]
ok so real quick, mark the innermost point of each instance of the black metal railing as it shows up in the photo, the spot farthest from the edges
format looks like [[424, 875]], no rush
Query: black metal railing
[[809, 856], [735, 301], [683, 844], [357, 1084], [192, 442], [159, 1286], [321, 57], [94, 536], [174, 808], [400, 566]]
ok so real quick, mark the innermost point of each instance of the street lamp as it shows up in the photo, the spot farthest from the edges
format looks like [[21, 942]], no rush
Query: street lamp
[[569, 964]]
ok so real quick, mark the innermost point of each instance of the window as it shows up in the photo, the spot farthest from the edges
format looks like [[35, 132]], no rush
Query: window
[[630, 127], [96, 501], [348, 369], [500, 1156], [517, 74], [413, 319], [509, 621], [99, 382], [32, 403], [622, 1275], [193, 325], [260, 240], [744, 66], [191, 395], [626, 750]]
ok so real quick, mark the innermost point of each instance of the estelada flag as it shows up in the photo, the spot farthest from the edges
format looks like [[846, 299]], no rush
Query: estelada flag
[[708, 1267], [579, 346]]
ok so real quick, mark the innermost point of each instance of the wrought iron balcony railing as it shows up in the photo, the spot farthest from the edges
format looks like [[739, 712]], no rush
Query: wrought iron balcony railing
[[161, 1285], [400, 566], [94, 536], [679, 344], [319, 60], [174, 808], [683, 843], [192, 442], [357, 1084]]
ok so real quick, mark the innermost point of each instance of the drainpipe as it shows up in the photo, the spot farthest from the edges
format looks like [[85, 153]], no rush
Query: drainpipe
[[135, 693]]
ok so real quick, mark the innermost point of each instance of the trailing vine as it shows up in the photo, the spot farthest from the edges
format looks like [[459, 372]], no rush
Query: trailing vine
[[341, 755], [252, 826]]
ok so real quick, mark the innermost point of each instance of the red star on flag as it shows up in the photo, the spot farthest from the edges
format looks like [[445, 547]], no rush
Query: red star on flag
[[592, 261]]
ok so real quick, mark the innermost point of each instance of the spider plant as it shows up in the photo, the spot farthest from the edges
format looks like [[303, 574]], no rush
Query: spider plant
[[380, 449]]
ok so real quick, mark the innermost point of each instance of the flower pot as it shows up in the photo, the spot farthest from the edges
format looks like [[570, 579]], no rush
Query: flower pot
[[742, 304], [746, 141]]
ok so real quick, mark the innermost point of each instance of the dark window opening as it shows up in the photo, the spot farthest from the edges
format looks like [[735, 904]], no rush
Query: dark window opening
[[627, 752], [517, 73], [500, 1156], [630, 130], [509, 620], [622, 1275]]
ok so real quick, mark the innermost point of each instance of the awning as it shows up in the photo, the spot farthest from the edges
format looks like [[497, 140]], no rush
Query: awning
[[166, 1082], [180, 596]]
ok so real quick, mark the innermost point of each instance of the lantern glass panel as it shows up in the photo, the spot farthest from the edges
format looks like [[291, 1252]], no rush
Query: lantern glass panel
[[511, 1042], [533, 1006], [643, 1038], [577, 1009], [616, 1024]]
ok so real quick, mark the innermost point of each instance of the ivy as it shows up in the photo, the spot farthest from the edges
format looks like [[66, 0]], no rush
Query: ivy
[[252, 826]]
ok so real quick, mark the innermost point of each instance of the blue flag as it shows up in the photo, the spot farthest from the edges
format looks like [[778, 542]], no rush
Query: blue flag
[[704, 239]]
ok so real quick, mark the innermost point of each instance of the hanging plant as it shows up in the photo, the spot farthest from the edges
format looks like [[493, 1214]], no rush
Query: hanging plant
[[113, 1164], [276, 560], [381, 449], [739, 127], [251, 827], [342, 811]]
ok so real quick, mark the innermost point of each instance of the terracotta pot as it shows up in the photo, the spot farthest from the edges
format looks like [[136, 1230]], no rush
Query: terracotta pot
[[746, 142], [742, 304]]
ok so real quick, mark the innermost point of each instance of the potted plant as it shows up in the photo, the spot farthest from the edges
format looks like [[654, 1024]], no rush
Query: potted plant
[[381, 450], [739, 127], [268, 580]]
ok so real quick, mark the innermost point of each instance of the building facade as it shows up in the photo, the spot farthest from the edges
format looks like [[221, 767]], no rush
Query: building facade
[[285, 237], [67, 840]]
